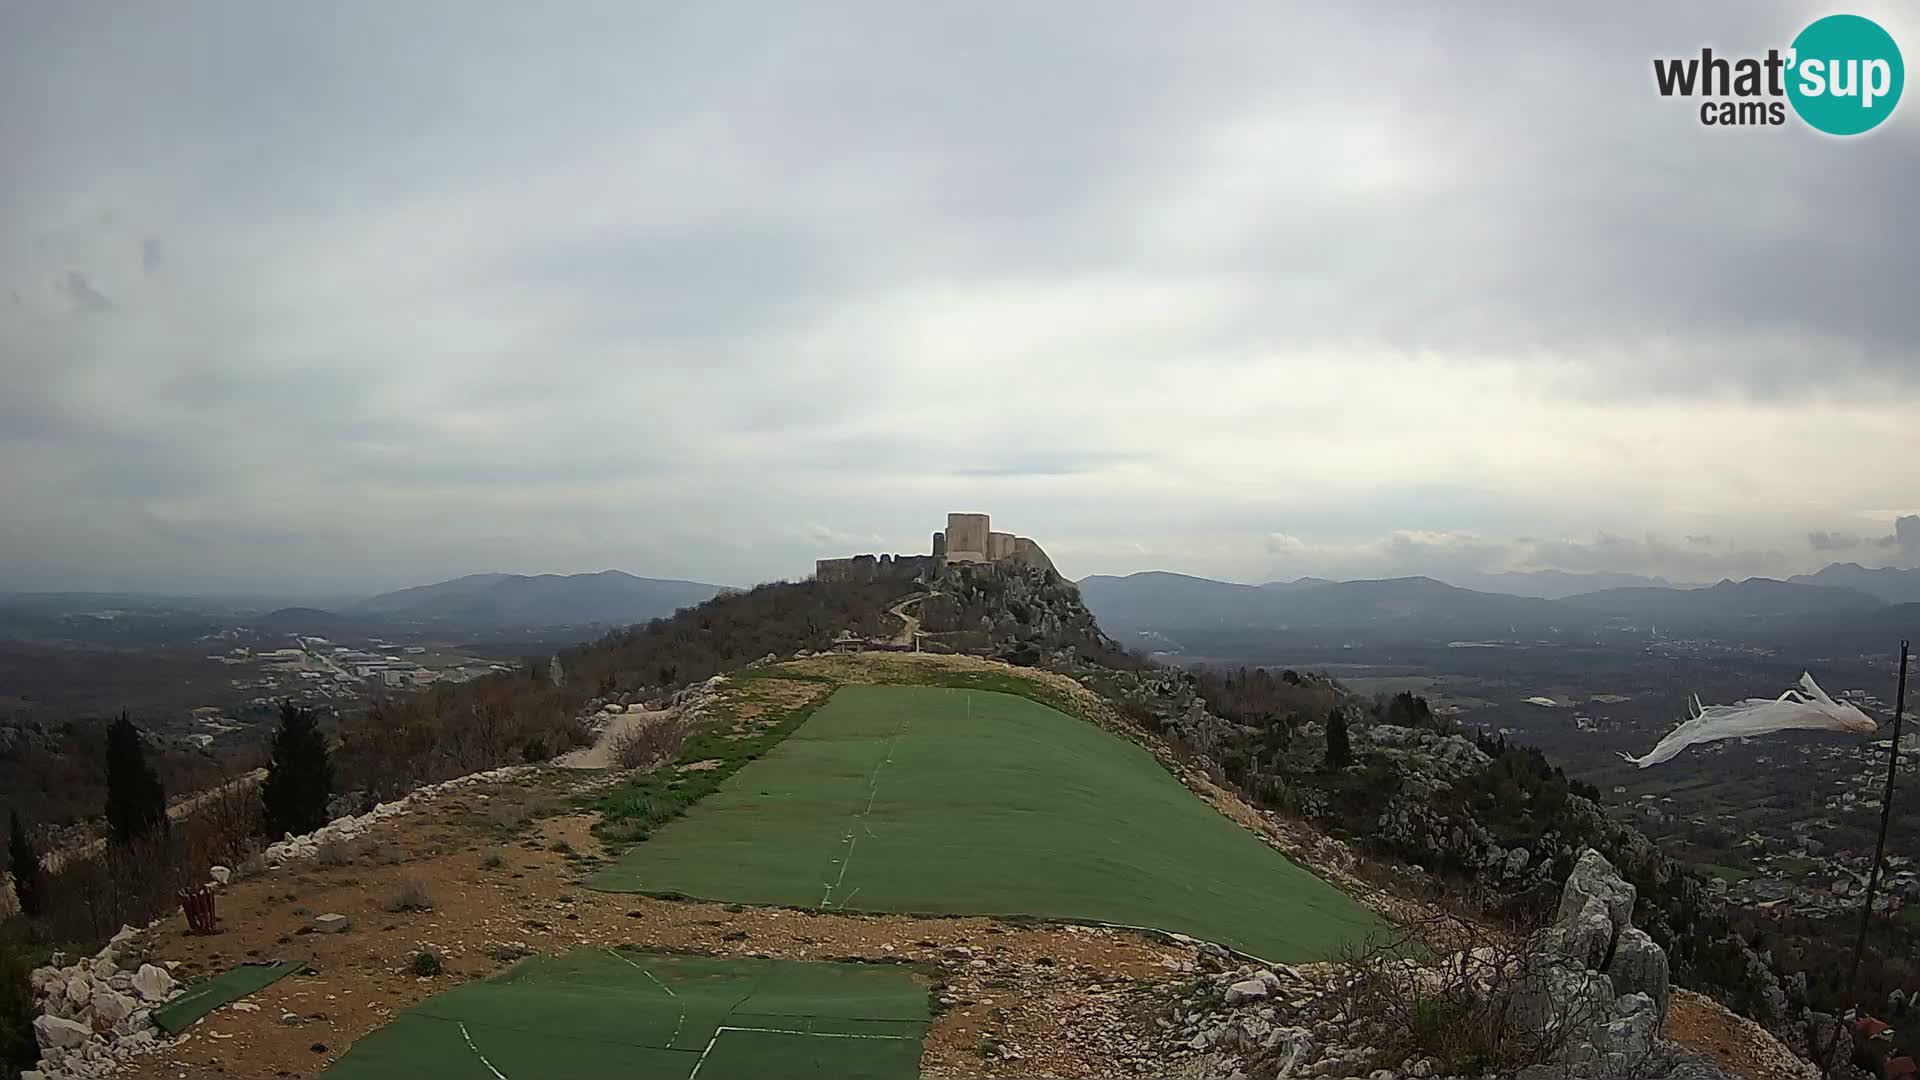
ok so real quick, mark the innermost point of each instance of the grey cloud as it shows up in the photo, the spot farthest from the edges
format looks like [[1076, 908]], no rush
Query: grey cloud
[[1822, 540], [1905, 536], [86, 299], [567, 287], [1651, 555]]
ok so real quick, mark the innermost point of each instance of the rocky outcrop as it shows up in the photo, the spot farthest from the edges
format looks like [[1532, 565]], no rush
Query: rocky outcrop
[[1583, 1000]]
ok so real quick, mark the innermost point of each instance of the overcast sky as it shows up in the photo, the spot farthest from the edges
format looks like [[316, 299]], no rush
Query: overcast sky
[[351, 296]]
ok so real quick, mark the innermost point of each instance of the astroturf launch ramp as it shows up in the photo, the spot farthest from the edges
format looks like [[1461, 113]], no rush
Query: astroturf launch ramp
[[657, 1016], [949, 801]]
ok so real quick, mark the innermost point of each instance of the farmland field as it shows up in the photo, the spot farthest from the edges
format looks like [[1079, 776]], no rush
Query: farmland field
[[952, 801]]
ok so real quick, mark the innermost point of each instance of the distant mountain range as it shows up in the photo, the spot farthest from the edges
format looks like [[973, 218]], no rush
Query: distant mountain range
[[610, 597], [1893, 586], [1760, 609]]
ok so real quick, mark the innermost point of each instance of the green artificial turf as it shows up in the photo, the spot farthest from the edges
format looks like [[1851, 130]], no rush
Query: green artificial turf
[[953, 801], [207, 995], [657, 1016]]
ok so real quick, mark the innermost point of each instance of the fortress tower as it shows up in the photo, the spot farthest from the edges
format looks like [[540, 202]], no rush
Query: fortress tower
[[967, 537]]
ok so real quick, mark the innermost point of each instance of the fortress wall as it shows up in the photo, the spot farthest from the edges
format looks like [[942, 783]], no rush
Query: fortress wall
[[999, 546], [1027, 552]]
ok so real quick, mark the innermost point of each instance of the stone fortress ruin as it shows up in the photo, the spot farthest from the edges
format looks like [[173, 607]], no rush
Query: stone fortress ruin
[[968, 538]]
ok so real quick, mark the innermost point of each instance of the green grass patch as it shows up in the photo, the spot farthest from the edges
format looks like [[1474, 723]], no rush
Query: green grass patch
[[658, 1016], [970, 802], [631, 812], [1732, 875]]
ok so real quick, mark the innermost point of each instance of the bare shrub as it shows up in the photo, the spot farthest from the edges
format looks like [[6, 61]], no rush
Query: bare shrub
[[647, 746], [337, 853], [411, 897], [1472, 999]]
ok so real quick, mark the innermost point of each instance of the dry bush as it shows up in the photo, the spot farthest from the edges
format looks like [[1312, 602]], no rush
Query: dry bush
[[647, 746], [411, 897], [1450, 990], [338, 852], [92, 895]]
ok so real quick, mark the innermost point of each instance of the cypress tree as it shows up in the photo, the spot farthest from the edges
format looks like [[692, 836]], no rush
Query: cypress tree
[[136, 803], [19, 1050], [1339, 750], [300, 776], [26, 867]]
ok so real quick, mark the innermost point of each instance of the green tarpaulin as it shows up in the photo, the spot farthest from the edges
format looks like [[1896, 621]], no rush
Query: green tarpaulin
[[203, 997]]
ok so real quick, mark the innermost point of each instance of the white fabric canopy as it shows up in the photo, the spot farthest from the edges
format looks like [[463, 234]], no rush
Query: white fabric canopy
[[1806, 707]]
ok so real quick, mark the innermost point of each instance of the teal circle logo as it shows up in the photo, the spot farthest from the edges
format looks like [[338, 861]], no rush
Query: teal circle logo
[[1846, 75]]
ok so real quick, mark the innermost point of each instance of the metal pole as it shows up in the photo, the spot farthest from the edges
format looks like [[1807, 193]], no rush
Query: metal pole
[[1879, 853]]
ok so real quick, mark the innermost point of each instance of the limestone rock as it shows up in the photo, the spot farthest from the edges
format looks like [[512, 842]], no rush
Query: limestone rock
[[331, 923], [153, 983], [1246, 990], [1640, 967], [1594, 877], [220, 874], [110, 1007], [55, 1033]]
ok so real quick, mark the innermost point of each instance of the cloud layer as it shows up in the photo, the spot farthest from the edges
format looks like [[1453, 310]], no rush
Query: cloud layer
[[360, 295]]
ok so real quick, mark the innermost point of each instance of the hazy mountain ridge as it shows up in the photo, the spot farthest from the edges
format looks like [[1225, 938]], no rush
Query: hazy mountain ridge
[[1163, 601], [1891, 584], [610, 596]]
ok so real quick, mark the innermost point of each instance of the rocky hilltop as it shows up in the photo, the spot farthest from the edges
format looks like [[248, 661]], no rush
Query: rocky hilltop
[[1483, 828]]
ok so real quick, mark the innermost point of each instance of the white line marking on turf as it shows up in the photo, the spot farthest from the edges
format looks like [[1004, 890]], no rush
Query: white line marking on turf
[[478, 1054], [643, 971], [873, 792], [704, 1053], [809, 1034]]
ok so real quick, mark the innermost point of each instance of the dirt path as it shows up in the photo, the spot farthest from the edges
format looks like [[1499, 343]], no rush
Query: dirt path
[[910, 624]]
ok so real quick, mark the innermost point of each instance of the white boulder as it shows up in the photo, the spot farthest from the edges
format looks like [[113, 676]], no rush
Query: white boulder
[[110, 1007], [1246, 990], [56, 1033], [220, 874], [153, 983]]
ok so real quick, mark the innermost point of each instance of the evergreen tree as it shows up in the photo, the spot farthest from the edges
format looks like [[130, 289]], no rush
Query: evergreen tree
[[19, 1050], [25, 862], [136, 803], [300, 776], [1339, 750]]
